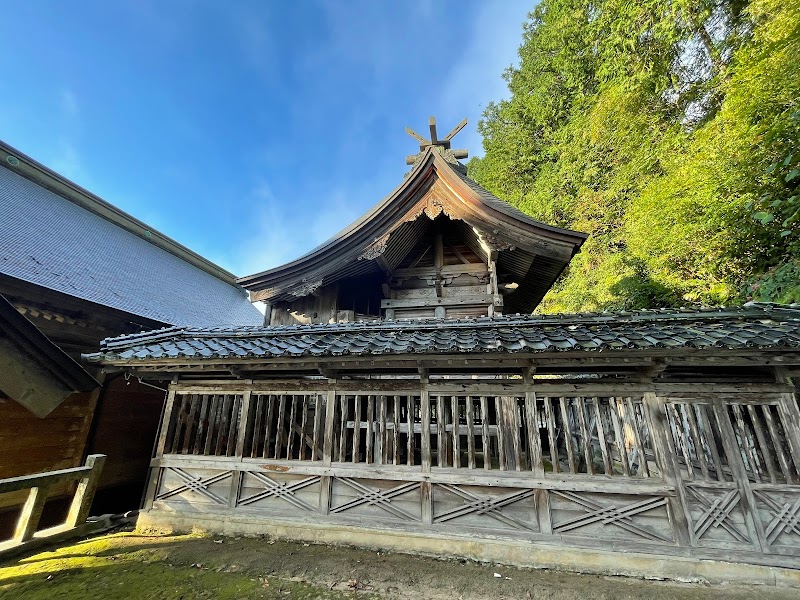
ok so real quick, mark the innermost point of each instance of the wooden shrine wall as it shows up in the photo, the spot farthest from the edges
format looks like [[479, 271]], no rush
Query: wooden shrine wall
[[706, 470]]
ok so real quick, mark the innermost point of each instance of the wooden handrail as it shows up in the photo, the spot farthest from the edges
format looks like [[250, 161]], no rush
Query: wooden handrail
[[40, 484]]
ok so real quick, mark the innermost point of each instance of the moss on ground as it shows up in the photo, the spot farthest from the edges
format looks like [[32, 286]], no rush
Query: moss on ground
[[129, 566], [138, 566]]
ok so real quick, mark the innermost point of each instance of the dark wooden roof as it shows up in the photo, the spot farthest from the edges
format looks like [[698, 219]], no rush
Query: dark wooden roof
[[34, 371], [753, 327], [436, 184]]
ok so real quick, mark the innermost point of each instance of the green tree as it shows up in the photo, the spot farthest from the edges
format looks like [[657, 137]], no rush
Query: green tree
[[669, 132]]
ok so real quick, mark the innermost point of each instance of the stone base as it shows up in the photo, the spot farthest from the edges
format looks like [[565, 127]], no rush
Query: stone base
[[516, 553]]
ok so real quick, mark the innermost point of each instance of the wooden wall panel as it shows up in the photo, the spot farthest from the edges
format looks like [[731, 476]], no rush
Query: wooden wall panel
[[124, 430]]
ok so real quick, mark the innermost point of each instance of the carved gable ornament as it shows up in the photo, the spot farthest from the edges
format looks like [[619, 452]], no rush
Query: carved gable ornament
[[306, 287], [433, 204], [376, 248]]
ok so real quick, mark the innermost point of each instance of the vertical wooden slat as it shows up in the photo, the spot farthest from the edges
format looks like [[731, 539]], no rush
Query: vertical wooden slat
[[342, 427], [675, 411], [601, 436], [279, 425], [356, 428], [789, 415], [508, 431], [258, 424], [587, 440], [776, 443], [487, 441], [316, 448], [180, 425], [410, 428], [224, 425], [396, 431], [707, 430], [763, 444], [619, 439], [567, 428], [470, 433], [551, 434], [698, 448], [201, 425], [291, 435], [213, 416], [456, 427], [440, 431], [303, 426], [167, 429], [744, 448], [501, 437], [244, 430], [532, 430], [629, 417], [269, 427], [382, 450], [233, 425], [188, 440], [370, 428], [637, 437]]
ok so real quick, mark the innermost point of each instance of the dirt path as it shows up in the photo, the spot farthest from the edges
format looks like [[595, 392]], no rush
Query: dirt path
[[133, 566]]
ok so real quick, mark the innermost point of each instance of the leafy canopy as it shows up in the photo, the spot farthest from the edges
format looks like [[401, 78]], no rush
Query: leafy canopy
[[669, 131]]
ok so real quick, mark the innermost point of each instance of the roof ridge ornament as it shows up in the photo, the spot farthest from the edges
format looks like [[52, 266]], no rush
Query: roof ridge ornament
[[441, 146]]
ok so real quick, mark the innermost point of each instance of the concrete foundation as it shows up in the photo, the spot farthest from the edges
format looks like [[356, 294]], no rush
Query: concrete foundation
[[517, 553]]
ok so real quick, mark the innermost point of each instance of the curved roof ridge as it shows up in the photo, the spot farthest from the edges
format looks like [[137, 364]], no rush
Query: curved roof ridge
[[382, 218]]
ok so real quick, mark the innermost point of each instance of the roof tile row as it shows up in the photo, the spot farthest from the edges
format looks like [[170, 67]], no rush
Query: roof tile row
[[753, 326]]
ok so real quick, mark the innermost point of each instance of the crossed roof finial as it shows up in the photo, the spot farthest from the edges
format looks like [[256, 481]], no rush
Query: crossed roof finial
[[444, 144]]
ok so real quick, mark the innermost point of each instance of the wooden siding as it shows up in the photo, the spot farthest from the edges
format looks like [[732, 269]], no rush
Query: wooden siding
[[687, 469]]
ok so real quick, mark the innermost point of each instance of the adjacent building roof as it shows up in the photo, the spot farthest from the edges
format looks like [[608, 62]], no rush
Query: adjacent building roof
[[34, 371], [753, 326], [60, 236]]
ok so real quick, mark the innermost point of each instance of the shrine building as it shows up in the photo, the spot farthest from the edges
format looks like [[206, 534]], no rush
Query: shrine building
[[402, 395]]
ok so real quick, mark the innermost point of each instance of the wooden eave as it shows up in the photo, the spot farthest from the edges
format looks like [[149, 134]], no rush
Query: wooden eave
[[545, 362], [33, 370], [433, 184]]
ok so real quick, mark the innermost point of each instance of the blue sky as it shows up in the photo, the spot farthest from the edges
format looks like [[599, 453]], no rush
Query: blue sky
[[248, 131]]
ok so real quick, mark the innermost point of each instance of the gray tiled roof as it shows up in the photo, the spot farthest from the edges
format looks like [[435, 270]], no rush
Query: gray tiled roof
[[754, 326], [49, 241]]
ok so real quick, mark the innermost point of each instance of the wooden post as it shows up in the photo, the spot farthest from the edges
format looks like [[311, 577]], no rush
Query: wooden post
[[754, 526], [165, 423], [508, 432], [82, 502], [656, 415], [791, 414], [28, 521], [426, 488], [325, 481], [243, 431], [532, 419]]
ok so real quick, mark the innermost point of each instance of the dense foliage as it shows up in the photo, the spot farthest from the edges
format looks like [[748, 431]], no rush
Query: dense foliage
[[668, 130]]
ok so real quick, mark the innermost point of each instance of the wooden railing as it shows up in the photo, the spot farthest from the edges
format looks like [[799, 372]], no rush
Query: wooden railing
[[709, 470], [39, 486]]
